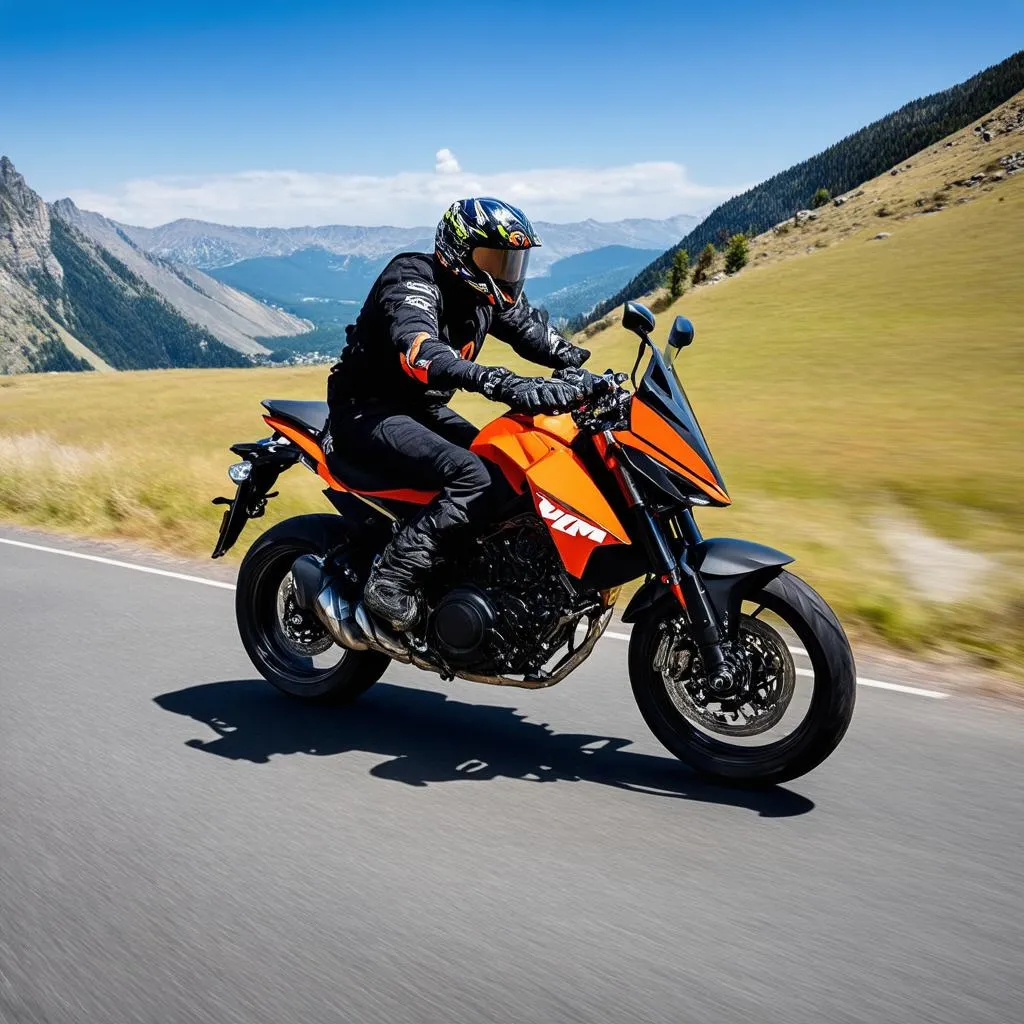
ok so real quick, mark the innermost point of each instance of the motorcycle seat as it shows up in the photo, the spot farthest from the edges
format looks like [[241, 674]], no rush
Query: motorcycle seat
[[310, 416]]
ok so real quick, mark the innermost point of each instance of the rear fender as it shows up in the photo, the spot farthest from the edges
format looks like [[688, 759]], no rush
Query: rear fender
[[730, 569], [269, 459]]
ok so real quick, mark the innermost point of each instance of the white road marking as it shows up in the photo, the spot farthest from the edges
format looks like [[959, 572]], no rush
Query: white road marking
[[119, 564], [879, 685], [220, 584]]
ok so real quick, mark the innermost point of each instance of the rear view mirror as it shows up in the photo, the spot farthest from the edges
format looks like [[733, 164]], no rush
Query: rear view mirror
[[638, 319], [681, 334]]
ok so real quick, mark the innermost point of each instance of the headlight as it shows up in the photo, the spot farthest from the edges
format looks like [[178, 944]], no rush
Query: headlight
[[240, 472]]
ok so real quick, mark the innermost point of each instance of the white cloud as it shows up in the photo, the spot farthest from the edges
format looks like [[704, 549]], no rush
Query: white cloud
[[289, 198], [445, 162]]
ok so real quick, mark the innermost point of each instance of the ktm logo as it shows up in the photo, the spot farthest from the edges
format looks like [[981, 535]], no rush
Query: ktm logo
[[566, 522]]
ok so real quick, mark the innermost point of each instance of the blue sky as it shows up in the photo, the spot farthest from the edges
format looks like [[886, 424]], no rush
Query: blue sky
[[305, 112]]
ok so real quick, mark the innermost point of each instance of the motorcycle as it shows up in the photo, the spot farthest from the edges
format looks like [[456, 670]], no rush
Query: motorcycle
[[599, 497]]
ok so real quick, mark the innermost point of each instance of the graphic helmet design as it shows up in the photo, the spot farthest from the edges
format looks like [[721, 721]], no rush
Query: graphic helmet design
[[486, 243]]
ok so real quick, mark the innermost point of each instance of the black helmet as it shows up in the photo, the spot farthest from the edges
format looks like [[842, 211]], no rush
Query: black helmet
[[487, 244]]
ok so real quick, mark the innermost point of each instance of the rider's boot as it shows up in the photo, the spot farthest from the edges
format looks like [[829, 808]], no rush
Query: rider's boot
[[392, 592]]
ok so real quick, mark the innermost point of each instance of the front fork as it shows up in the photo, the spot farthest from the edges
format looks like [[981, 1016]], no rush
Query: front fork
[[681, 578]]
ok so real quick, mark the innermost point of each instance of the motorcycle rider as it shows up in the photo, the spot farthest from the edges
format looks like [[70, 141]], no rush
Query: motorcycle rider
[[414, 343]]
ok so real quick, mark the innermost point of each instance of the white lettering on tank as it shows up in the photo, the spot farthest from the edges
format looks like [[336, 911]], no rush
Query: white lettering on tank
[[566, 522]]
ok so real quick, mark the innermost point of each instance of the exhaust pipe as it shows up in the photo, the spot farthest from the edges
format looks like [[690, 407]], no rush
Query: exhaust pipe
[[336, 614], [379, 637], [315, 592], [307, 580]]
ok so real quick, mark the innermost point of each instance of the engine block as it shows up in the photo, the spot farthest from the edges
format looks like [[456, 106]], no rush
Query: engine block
[[508, 592]]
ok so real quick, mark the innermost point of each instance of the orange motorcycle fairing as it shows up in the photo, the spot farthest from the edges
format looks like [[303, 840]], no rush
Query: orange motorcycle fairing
[[515, 442], [574, 510], [534, 452], [653, 436]]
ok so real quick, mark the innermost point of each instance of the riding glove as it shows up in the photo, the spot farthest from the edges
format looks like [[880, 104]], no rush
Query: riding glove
[[571, 355], [530, 394], [584, 381]]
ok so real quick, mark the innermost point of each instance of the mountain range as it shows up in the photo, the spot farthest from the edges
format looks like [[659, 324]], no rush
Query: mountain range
[[210, 246], [76, 295], [81, 291], [319, 273]]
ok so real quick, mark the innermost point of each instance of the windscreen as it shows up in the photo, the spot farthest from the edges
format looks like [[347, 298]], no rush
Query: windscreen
[[670, 355], [662, 389]]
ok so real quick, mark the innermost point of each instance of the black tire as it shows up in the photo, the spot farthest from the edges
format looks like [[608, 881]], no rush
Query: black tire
[[264, 567], [828, 715]]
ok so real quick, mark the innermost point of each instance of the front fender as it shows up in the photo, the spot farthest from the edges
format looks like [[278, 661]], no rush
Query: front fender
[[729, 568]]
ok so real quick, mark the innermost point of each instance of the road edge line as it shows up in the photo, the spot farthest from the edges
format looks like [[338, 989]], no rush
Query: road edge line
[[119, 564]]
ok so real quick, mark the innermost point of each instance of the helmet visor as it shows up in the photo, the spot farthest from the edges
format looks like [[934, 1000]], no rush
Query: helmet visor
[[506, 266]]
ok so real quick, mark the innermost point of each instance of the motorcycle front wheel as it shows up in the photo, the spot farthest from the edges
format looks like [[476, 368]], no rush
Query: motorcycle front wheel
[[792, 698]]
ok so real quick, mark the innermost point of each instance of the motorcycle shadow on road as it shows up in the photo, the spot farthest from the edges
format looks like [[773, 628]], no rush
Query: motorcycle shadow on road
[[428, 737]]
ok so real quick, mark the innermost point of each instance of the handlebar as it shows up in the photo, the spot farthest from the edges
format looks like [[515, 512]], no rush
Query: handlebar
[[607, 407]]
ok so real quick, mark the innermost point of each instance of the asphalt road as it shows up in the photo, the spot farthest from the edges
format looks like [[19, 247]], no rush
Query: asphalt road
[[180, 844]]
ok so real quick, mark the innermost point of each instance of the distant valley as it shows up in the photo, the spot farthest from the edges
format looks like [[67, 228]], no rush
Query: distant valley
[[326, 287], [320, 273]]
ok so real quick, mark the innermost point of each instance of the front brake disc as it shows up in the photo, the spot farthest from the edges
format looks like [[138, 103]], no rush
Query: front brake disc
[[766, 682]]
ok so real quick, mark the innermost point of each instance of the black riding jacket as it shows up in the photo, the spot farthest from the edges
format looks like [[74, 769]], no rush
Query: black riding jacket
[[420, 331]]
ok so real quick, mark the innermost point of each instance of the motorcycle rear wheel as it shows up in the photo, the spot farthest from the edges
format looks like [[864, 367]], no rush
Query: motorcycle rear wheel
[[825, 721], [257, 609]]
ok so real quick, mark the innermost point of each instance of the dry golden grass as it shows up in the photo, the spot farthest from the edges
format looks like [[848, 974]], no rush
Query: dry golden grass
[[138, 455]]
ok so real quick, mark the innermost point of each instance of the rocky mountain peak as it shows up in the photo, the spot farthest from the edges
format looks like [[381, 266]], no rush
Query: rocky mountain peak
[[24, 228], [14, 183], [65, 208]]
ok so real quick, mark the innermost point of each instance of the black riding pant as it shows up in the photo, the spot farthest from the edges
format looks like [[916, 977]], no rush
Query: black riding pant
[[424, 448]]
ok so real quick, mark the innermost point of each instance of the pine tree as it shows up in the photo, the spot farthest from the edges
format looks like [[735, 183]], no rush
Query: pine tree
[[704, 262], [736, 254], [679, 273]]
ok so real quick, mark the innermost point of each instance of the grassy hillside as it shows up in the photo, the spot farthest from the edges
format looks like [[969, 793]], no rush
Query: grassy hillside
[[866, 153]]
